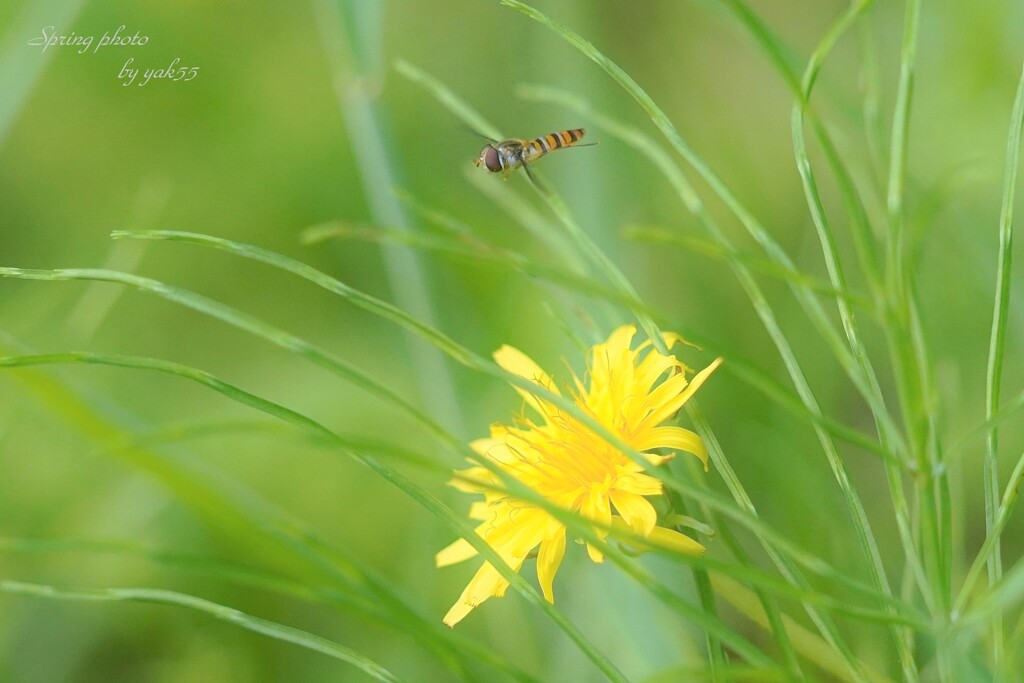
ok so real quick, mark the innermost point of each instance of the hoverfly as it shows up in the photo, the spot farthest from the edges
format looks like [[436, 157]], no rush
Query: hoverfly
[[508, 155]]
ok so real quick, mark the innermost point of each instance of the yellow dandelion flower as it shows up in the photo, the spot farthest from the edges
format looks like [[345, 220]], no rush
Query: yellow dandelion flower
[[630, 392]]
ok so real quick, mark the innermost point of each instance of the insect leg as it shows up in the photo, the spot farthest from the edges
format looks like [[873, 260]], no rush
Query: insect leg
[[529, 174]]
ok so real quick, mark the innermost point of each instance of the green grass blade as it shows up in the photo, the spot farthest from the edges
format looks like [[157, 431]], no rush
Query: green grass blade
[[713, 249], [21, 66], [462, 110], [833, 263], [1006, 411], [367, 122], [991, 544], [907, 341], [481, 252], [245, 322], [236, 573], [230, 615], [996, 353], [776, 52]]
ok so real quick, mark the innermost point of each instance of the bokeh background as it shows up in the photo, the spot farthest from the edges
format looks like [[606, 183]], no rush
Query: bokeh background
[[266, 142]]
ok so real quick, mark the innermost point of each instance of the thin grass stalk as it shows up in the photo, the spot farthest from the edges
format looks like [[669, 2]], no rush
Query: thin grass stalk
[[862, 234], [771, 608], [756, 264], [775, 51], [870, 77], [907, 349], [197, 565], [232, 616], [1006, 411], [894, 475], [988, 549], [185, 431], [996, 353], [355, 80], [556, 279]]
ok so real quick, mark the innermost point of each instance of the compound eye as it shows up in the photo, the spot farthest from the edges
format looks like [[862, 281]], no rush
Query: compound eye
[[491, 159]]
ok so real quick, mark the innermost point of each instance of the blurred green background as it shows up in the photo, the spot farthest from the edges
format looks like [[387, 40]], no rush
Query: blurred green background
[[263, 144]]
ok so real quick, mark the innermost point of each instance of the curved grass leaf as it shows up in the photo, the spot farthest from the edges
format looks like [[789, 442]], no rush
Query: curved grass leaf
[[355, 62], [196, 565], [715, 250], [997, 349], [265, 627], [834, 266]]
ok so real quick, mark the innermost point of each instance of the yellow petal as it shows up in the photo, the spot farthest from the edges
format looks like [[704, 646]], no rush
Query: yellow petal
[[481, 510], [548, 560], [596, 507], [474, 480], [518, 363], [666, 392], [659, 460], [496, 449], [619, 341], [674, 541], [458, 551], [673, 437], [636, 510], [484, 584], [667, 409], [638, 483], [653, 366]]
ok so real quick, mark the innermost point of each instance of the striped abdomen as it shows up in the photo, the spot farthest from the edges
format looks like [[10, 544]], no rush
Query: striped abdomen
[[538, 147]]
